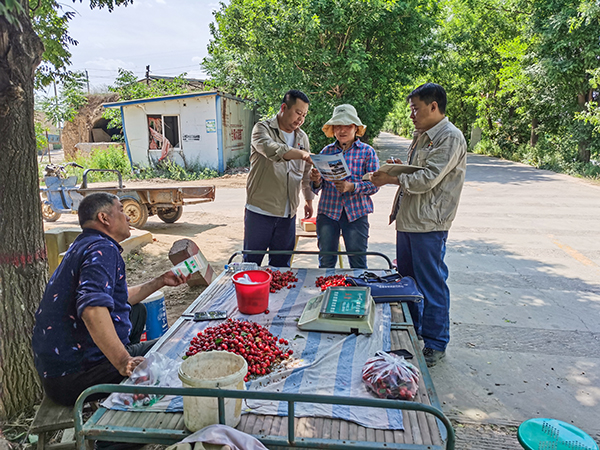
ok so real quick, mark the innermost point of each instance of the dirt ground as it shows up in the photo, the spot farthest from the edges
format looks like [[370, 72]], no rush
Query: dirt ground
[[212, 233]]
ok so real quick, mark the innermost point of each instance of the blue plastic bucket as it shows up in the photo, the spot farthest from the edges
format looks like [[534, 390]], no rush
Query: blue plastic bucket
[[156, 320]]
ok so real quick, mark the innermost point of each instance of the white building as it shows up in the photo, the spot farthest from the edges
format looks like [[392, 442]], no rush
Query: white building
[[207, 129]]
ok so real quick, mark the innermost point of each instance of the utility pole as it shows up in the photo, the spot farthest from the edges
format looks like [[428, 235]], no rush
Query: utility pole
[[58, 124], [148, 75], [87, 79]]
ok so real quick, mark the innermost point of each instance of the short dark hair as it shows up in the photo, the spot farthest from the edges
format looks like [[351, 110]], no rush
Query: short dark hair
[[92, 204], [430, 92], [292, 95]]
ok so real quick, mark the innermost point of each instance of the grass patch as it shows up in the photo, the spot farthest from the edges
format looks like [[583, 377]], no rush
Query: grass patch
[[114, 158]]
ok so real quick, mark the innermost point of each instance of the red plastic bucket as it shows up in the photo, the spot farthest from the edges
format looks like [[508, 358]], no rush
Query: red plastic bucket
[[253, 298]]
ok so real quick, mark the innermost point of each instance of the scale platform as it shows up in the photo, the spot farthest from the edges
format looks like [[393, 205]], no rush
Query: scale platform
[[340, 309]]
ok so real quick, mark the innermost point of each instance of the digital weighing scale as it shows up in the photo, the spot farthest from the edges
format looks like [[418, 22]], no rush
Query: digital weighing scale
[[340, 309]]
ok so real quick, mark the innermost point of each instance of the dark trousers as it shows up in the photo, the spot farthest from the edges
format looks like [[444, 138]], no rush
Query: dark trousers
[[273, 233], [65, 390], [356, 237], [421, 256]]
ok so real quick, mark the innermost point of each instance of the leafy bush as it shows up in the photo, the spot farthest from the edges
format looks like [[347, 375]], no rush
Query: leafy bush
[[114, 157], [41, 142], [173, 171]]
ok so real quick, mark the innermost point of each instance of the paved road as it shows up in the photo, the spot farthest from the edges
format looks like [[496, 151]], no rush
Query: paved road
[[524, 259]]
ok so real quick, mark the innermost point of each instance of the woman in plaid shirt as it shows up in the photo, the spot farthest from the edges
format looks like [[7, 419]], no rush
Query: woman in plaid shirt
[[344, 205]]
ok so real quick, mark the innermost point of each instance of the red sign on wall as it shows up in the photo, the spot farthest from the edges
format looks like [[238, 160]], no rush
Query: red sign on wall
[[236, 134]]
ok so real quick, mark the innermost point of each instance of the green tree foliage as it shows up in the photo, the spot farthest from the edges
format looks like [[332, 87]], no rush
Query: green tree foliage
[[337, 51], [63, 107], [128, 88], [41, 142], [521, 71], [591, 114]]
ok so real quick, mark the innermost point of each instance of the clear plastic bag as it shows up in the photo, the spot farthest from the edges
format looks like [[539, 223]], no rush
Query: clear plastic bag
[[391, 376], [155, 370]]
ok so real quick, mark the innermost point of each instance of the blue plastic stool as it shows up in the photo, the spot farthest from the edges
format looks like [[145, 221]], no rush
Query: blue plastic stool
[[551, 434]]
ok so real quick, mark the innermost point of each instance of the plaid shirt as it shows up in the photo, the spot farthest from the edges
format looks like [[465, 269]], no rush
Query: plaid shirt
[[361, 159]]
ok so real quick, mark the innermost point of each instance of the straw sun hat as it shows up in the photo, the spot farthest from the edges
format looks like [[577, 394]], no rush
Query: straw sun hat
[[344, 115]]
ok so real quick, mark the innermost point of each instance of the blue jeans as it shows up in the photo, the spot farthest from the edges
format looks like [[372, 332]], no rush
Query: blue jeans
[[421, 256], [273, 233], [356, 236]]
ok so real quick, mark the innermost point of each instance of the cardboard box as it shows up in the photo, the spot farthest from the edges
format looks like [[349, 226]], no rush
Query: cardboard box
[[185, 248], [309, 224]]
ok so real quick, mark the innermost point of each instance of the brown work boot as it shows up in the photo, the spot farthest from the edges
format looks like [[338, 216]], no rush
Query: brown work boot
[[433, 356]]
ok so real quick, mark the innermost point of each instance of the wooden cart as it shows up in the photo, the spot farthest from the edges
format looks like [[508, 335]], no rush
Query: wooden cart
[[425, 426]]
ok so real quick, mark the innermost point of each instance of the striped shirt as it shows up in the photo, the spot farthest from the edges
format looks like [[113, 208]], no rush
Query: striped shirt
[[361, 159]]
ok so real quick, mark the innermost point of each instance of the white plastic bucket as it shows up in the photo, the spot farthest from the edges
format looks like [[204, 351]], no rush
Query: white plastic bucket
[[212, 370], [156, 319]]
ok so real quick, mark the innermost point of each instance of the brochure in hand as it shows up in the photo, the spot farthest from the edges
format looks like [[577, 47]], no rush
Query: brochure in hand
[[394, 170], [331, 167]]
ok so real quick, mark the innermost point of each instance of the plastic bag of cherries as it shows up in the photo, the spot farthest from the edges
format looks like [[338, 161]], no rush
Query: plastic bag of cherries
[[391, 376]]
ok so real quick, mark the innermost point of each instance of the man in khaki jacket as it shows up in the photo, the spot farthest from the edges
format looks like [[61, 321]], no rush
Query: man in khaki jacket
[[279, 167], [424, 209]]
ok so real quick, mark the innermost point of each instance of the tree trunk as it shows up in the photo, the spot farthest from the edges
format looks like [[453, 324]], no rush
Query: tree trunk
[[583, 151], [534, 136], [23, 263]]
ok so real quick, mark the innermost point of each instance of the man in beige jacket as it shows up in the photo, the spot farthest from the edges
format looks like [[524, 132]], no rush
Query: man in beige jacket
[[279, 167], [424, 209]]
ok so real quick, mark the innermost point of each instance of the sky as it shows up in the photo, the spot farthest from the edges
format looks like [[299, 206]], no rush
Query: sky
[[169, 35]]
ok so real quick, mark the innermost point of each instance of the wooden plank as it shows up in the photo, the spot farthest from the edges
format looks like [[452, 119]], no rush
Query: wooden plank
[[276, 425], [259, 425], [379, 436], [414, 425], [172, 423], [267, 424], [107, 417], [335, 429], [408, 434], [434, 430], [318, 424], [399, 436], [327, 428], [180, 423], [51, 416], [425, 433], [361, 434], [370, 434], [157, 420], [250, 423], [242, 425], [388, 435], [344, 430], [352, 431]]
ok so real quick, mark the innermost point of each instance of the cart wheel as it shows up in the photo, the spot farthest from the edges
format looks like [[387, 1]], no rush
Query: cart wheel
[[170, 215], [138, 213], [48, 213]]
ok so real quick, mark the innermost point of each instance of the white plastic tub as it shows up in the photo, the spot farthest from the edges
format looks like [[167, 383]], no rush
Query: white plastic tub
[[212, 370]]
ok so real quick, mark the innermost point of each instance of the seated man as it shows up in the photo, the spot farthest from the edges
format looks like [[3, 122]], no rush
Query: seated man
[[88, 325]]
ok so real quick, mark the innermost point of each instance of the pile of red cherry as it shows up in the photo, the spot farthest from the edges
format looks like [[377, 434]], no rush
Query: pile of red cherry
[[332, 280], [250, 340], [280, 280]]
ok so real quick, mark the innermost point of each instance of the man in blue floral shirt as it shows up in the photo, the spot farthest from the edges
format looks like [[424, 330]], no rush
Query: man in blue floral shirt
[[345, 204], [88, 325]]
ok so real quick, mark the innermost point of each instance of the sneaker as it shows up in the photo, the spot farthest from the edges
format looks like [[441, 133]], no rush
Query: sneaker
[[432, 357]]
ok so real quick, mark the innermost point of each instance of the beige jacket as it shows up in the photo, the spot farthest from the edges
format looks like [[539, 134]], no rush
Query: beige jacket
[[430, 196], [273, 181]]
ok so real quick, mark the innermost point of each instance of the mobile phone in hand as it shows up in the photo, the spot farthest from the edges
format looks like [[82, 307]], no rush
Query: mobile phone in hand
[[210, 315], [402, 352]]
